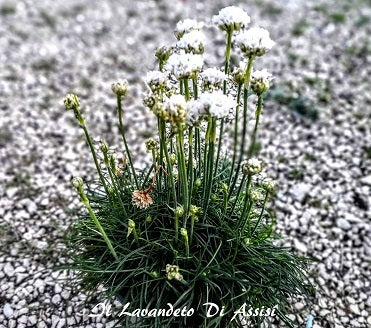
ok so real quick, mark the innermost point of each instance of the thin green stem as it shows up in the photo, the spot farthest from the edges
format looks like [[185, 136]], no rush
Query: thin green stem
[[255, 132], [182, 170], [122, 129], [235, 139], [261, 212], [92, 150], [101, 230], [238, 193]]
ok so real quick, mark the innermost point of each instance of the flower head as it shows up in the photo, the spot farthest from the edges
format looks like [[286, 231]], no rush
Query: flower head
[[184, 65], [176, 108], [151, 144], [195, 110], [260, 81], [71, 101], [252, 166], [120, 88], [213, 78], [142, 198], [268, 185], [163, 53], [238, 73], [216, 104], [156, 80], [254, 42], [192, 41], [131, 227], [185, 26], [172, 272], [231, 18], [77, 182]]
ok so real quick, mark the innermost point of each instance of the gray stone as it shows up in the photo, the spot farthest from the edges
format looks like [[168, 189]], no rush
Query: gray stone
[[7, 310]]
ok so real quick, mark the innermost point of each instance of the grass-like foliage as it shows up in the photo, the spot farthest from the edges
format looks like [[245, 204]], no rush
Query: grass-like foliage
[[193, 228]]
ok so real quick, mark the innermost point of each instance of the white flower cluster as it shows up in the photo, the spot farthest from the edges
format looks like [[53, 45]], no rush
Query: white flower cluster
[[254, 42], [192, 41], [156, 80], [176, 107], [184, 65], [260, 81], [252, 166], [213, 78], [231, 18], [186, 26], [213, 103]]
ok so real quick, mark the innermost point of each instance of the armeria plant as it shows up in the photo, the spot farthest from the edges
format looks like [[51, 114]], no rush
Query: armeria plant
[[194, 226]]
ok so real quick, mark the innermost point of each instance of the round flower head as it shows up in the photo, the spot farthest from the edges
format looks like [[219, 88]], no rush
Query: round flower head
[[238, 73], [194, 108], [192, 41], [77, 182], [260, 81], [120, 88], [268, 185], [252, 166], [184, 65], [172, 272], [254, 42], [216, 104], [213, 78], [71, 101], [142, 199], [185, 26], [151, 144], [156, 80], [231, 19], [176, 108], [163, 53]]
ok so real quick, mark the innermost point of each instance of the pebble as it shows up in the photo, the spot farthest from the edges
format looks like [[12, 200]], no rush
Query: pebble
[[7, 310], [343, 224]]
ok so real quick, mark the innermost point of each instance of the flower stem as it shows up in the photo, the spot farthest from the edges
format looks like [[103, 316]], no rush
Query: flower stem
[[92, 150], [226, 71], [97, 223], [255, 132], [235, 141], [261, 212], [119, 107], [182, 169]]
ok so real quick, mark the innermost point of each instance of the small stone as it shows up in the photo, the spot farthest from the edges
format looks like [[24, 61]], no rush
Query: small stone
[[7, 310], [300, 246], [8, 269], [32, 320], [300, 190], [56, 299], [366, 180], [299, 306], [343, 224]]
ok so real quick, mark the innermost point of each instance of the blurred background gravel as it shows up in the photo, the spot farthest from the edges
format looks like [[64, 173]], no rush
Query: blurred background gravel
[[316, 133]]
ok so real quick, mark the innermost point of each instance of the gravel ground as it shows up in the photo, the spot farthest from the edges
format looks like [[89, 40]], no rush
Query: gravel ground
[[316, 134]]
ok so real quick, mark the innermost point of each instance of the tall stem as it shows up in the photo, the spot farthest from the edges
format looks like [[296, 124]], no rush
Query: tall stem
[[119, 107], [92, 150], [235, 139], [255, 132], [226, 71], [261, 213], [182, 170]]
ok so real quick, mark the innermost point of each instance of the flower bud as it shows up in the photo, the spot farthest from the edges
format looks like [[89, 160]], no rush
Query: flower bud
[[252, 166], [198, 183], [103, 147], [162, 54], [193, 210], [183, 232], [71, 101], [214, 197], [77, 182], [260, 81], [179, 211], [173, 159], [224, 188], [269, 185], [120, 88], [149, 219], [151, 144], [256, 196], [154, 274]]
